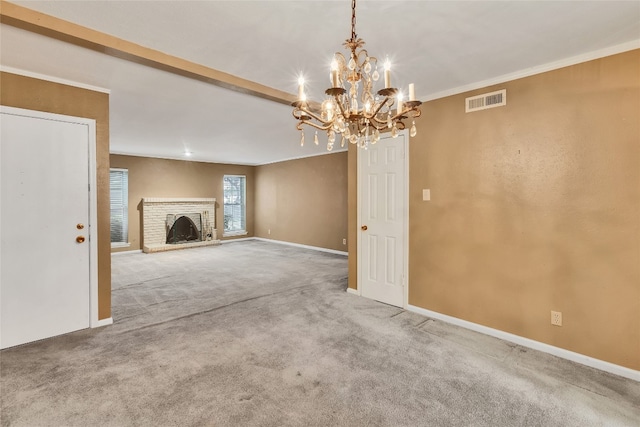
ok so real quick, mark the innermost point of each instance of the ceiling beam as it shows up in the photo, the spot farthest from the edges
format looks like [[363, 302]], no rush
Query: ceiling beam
[[50, 26]]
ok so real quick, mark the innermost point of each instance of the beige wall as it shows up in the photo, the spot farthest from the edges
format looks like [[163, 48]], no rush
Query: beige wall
[[304, 201], [535, 207], [33, 94], [151, 177]]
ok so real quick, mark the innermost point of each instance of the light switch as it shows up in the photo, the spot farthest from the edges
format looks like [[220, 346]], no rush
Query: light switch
[[426, 195]]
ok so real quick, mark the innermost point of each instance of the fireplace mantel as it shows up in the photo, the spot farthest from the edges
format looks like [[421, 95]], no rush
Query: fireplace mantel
[[154, 221], [198, 200]]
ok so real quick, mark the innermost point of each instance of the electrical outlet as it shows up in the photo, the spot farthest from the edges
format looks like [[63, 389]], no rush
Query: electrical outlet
[[344, 241], [556, 318], [269, 231]]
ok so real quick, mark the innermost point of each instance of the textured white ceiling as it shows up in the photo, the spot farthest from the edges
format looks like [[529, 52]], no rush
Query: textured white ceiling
[[440, 46]]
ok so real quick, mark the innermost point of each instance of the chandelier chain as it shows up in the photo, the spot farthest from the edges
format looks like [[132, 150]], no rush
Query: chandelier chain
[[353, 21]]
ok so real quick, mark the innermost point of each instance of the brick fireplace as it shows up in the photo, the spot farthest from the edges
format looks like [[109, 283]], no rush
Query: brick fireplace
[[160, 214]]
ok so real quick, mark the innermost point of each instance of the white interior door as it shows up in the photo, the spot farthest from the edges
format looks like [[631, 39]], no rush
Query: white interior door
[[44, 261], [383, 211]]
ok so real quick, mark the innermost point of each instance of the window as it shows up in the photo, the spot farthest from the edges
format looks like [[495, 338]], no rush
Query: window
[[119, 181], [235, 207]]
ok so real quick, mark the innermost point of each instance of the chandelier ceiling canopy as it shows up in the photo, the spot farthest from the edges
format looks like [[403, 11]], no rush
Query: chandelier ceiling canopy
[[352, 109]]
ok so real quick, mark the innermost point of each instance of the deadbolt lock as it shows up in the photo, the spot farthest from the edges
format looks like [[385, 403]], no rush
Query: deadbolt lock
[[364, 228], [80, 226]]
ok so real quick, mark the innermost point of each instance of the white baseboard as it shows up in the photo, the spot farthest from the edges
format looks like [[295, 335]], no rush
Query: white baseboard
[[134, 251], [315, 248], [237, 240], [529, 343], [102, 322], [353, 291]]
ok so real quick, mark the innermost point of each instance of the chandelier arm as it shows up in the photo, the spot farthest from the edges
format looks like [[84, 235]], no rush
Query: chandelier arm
[[378, 124], [341, 107], [300, 112], [303, 115], [382, 104], [412, 109], [415, 110], [318, 118], [315, 125], [297, 113], [399, 117], [358, 54]]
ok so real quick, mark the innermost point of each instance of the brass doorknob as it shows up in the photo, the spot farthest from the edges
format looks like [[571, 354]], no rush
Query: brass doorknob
[[364, 228], [80, 239], [80, 226]]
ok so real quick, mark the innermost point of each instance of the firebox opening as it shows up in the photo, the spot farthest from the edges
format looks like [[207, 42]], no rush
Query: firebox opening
[[183, 230]]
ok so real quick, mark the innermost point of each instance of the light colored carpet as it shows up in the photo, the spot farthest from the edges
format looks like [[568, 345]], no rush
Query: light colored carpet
[[259, 334]]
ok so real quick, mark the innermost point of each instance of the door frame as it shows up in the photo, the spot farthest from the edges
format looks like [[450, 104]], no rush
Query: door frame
[[405, 219], [93, 201]]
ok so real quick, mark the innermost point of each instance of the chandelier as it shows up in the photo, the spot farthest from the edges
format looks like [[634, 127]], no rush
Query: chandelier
[[352, 109]]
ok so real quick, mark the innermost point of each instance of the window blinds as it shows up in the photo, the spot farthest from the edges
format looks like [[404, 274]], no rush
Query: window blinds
[[119, 182], [234, 203]]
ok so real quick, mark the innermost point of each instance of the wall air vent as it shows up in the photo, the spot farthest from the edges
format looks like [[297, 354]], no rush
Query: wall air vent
[[487, 100]]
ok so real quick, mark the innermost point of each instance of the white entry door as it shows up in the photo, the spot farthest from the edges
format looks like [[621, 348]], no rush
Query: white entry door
[[383, 211], [44, 226]]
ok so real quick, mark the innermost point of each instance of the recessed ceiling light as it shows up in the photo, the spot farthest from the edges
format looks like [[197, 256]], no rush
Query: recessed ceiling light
[[188, 153]]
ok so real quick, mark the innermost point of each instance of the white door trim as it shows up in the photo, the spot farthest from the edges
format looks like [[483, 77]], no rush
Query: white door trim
[[405, 219], [93, 204]]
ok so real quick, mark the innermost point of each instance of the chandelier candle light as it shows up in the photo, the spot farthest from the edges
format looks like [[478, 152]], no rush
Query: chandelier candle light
[[351, 109]]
